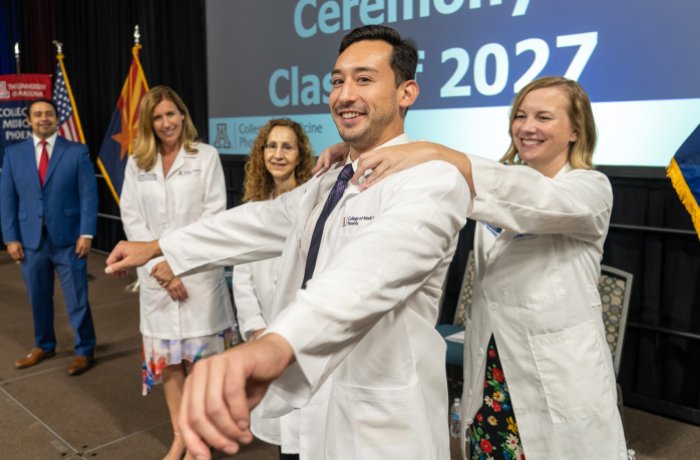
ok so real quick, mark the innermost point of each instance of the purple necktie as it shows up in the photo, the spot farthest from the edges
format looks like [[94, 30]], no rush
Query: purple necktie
[[332, 200]]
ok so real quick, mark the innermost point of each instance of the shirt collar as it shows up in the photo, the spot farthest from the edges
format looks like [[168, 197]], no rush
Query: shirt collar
[[50, 141]]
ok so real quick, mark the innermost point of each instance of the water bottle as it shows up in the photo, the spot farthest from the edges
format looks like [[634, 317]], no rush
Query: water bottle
[[456, 418]]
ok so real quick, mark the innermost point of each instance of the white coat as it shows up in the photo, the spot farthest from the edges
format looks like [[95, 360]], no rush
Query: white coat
[[538, 247], [253, 290], [365, 324], [153, 206]]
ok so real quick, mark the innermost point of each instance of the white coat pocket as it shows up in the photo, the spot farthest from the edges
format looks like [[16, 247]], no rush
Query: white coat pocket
[[573, 371], [379, 423]]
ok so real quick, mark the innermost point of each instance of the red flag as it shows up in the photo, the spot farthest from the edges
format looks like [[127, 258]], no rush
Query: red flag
[[119, 140]]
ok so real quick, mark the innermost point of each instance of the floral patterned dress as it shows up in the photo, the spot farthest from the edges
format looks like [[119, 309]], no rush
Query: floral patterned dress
[[494, 433], [160, 353]]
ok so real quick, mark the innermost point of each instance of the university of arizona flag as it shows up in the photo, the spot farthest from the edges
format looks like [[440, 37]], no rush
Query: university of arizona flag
[[68, 120], [684, 172], [121, 133]]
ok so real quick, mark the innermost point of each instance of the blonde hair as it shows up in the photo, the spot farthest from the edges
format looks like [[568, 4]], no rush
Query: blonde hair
[[580, 114], [258, 184], [147, 143]]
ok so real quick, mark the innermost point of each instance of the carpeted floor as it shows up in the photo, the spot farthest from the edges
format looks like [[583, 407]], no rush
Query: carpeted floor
[[45, 414]]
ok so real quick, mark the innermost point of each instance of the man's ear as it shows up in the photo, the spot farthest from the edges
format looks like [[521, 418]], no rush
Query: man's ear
[[409, 91]]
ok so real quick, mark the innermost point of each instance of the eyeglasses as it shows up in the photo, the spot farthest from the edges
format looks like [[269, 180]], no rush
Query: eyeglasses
[[286, 147]]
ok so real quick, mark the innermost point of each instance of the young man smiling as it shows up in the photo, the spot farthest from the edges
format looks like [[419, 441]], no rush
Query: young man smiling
[[356, 347]]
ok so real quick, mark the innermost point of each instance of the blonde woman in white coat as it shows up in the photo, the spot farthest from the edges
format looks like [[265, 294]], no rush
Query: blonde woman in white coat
[[538, 374], [279, 161], [171, 181]]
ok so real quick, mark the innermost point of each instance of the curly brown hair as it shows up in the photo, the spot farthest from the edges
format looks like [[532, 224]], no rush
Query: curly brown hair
[[258, 184]]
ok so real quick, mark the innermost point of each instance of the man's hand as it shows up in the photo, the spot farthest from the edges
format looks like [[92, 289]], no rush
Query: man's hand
[[130, 254], [82, 246], [176, 290], [333, 154], [223, 389], [14, 248]]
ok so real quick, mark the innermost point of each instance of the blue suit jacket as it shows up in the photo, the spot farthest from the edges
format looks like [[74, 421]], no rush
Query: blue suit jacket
[[66, 205]]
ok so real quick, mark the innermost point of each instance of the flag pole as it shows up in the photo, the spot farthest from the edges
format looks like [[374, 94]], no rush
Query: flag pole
[[130, 110], [76, 117], [134, 286], [17, 57]]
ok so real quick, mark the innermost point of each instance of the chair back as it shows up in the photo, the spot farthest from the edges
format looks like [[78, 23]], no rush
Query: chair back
[[464, 304], [615, 287]]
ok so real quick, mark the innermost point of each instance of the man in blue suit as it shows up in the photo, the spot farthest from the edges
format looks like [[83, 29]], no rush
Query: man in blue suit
[[48, 205]]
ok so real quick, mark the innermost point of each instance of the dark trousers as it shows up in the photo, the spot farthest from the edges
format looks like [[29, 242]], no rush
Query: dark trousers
[[38, 271], [288, 456]]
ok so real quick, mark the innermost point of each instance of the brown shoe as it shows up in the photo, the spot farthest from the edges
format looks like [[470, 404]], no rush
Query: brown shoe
[[80, 364], [34, 357]]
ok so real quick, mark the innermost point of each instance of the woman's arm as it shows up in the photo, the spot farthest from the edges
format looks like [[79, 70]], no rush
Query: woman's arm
[[385, 161]]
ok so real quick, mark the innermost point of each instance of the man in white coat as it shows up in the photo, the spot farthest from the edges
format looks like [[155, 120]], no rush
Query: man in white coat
[[357, 346]]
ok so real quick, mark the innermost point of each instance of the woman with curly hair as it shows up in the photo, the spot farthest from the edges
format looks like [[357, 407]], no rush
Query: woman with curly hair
[[279, 161], [171, 180]]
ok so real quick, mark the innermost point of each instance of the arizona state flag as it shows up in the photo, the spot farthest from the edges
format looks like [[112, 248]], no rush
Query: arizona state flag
[[119, 140], [684, 172]]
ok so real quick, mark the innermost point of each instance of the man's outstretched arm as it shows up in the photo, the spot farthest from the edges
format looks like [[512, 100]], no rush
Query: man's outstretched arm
[[131, 254], [223, 389]]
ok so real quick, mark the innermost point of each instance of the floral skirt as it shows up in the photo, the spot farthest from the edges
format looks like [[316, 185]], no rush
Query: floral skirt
[[160, 353], [494, 434]]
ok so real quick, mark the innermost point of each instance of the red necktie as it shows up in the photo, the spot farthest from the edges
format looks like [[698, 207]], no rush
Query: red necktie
[[43, 162]]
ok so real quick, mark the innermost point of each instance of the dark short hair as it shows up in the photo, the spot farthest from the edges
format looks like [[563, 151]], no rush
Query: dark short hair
[[404, 55], [41, 99]]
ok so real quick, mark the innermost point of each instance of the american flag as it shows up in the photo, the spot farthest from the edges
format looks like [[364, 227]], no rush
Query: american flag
[[68, 122]]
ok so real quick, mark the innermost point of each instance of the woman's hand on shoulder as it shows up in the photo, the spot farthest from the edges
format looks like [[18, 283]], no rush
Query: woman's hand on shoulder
[[333, 154], [386, 161]]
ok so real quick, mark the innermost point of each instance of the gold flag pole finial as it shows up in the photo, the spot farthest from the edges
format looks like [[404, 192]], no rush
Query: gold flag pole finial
[[137, 35], [17, 56], [59, 46]]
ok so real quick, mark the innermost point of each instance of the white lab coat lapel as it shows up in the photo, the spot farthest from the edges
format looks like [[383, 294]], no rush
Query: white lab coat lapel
[[291, 268], [158, 186], [332, 225], [315, 194], [178, 163]]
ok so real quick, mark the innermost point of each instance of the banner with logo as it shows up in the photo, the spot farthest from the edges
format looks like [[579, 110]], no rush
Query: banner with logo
[[16, 91], [638, 60]]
